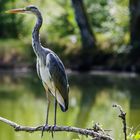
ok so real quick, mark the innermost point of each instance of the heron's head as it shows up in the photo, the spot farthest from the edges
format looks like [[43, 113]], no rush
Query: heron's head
[[31, 9]]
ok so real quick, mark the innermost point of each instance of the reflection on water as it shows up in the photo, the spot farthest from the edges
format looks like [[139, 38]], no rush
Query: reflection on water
[[22, 100]]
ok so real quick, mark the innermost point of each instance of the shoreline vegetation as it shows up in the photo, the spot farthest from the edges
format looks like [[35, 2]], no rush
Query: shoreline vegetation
[[18, 54], [27, 70], [25, 66]]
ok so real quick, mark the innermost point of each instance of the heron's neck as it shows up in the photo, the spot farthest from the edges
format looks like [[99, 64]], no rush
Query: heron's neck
[[35, 35]]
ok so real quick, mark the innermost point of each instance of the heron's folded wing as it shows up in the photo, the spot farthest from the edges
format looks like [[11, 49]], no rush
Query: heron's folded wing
[[58, 75]]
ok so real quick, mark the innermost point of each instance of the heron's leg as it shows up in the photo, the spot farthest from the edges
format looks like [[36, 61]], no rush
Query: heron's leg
[[55, 111], [47, 113], [48, 107]]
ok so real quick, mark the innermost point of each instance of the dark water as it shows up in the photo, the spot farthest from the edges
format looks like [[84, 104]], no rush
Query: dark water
[[22, 99]]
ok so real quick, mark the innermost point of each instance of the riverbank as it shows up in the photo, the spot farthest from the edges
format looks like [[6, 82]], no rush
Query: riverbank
[[18, 54], [25, 71]]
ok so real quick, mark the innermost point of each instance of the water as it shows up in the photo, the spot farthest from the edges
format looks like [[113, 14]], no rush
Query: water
[[22, 99]]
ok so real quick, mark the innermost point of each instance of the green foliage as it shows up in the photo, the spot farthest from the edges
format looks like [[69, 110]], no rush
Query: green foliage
[[134, 136], [98, 13], [106, 20], [64, 23], [10, 24]]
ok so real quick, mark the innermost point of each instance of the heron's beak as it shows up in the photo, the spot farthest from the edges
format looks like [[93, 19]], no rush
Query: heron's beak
[[14, 11]]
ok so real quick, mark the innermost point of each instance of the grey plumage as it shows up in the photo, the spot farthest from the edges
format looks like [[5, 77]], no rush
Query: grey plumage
[[47, 58], [58, 76]]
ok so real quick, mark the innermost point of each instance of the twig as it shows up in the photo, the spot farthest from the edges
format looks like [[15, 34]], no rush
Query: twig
[[81, 131], [123, 117]]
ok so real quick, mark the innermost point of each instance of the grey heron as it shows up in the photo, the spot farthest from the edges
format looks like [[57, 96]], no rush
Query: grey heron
[[50, 68]]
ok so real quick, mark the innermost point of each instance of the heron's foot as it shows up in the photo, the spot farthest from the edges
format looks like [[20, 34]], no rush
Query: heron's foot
[[53, 130], [43, 128]]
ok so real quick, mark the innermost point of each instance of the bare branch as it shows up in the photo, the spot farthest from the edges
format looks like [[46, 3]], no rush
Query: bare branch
[[86, 132], [122, 116]]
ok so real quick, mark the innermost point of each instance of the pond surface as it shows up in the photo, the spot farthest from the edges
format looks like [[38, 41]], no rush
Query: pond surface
[[22, 99]]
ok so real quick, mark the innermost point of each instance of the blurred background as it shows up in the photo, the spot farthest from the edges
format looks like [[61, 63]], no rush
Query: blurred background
[[99, 44]]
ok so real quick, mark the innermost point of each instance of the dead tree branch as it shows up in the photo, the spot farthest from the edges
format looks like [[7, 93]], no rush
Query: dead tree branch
[[86, 132], [123, 117]]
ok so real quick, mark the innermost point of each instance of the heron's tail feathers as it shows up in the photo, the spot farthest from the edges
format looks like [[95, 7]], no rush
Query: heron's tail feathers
[[64, 107]]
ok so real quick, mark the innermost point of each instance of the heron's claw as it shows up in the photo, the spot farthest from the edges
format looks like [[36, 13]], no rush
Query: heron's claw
[[43, 128], [50, 129], [53, 130]]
